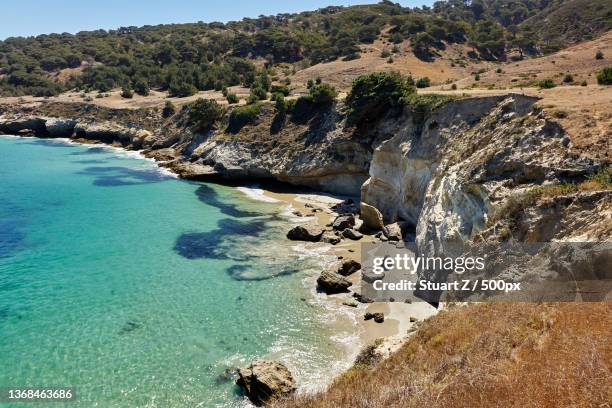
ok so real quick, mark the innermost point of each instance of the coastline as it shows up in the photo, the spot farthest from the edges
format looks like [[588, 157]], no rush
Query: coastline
[[356, 332]]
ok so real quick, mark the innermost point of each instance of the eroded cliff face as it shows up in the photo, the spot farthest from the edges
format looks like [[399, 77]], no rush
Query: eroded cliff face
[[449, 176]]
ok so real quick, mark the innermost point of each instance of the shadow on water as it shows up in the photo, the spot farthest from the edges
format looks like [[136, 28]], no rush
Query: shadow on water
[[209, 196], [114, 176], [196, 245], [91, 150], [12, 239]]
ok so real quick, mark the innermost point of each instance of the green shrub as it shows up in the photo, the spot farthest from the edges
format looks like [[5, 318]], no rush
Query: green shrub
[[203, 113], [322, 94], [599, 55], [454, 87], [257, 93], [546, 84], [604, 77], [423, 82], [373, 94], [231, 98], [477, 77], [180, 89], [385, 53], [126, 93], [280, 89], [168, 110], [583, 83], [141, 87], [568, 78], [499, 70], [243, 115]]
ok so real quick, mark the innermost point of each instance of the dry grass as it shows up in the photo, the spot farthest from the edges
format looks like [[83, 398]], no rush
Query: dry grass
[[489, 355]]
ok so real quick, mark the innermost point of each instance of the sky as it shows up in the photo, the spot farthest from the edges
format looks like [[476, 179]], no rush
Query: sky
[[33, 17]]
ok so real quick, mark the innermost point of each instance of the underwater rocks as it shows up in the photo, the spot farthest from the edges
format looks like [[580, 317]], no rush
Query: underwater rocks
[[264, 381]]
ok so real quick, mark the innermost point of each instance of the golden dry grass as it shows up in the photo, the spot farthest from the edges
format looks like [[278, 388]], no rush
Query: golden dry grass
[[489, 355]]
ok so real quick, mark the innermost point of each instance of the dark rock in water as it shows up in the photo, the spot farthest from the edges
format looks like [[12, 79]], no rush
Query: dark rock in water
[[331, 283], [378, 317], [330, 238], [343, 222], [305, 232], [129, 326], [362, 299], [265, 381], [352, 234], [226, 375], [349, 267]]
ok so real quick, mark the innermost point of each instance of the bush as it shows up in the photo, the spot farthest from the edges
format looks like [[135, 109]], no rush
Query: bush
[[477, 77], [423, 82], [203, 113], [599, 55], [604, 77], [180, 89], [280, 89], [454, 87], [231, 98], [257, 93], [568, 78], [322, 94], [499, 70], [141, 87], [126, 93], [168, 110], [546, 84], [385, 53], [583, 83], [373, 94], [243, 115]]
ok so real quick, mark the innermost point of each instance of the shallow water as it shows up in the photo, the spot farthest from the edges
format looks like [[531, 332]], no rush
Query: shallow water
[[140, 289]]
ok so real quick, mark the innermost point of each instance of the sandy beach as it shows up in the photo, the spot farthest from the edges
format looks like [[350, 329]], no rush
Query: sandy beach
[[397, 324]]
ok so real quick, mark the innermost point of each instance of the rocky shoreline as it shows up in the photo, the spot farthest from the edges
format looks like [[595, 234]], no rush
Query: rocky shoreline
[[488, 168]]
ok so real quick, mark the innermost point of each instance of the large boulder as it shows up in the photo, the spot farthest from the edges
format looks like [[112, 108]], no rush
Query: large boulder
[[343, 221], [264, 381], [305, 232], [372, 218], [331, 283], [393, 232], [348, 267]]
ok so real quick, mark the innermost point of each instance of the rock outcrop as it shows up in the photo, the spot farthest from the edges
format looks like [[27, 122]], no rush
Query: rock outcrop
[[305, 232], [332, 283], [264, 381], [371, 216]]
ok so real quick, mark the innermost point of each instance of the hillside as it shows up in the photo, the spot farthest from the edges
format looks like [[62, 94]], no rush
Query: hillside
[[182, 59], [517, 355]]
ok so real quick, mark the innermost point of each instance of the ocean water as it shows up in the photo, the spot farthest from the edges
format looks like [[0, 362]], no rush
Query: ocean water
[[139, 289]]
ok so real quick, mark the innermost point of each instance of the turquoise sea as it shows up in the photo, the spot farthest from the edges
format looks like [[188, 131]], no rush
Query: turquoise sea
[[142, 290]]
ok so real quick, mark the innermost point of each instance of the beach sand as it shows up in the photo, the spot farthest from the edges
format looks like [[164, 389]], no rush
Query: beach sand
[[397, 324]]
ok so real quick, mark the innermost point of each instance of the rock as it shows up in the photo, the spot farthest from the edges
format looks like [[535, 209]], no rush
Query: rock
[[393, 232], [331, 283], [264, 381], [305, 232], [372, 218], [345, 207], [343, 222], [361, 299], [349, 267], [350, 303], [371, 277], [352, 234], [378, 317], [330, 238]]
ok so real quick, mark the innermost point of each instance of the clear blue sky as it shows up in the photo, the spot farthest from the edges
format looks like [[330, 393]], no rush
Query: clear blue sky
[[33, 17]]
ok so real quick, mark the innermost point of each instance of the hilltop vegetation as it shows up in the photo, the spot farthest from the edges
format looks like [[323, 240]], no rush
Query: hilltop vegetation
[[185, 58]]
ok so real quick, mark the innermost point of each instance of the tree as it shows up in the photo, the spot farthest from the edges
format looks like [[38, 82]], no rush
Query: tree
[[599, 55], [203, 113], [168, 110], [141, 87], [231, 98], [604, 77], [126, 92], [423, 82], [323, 94]]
